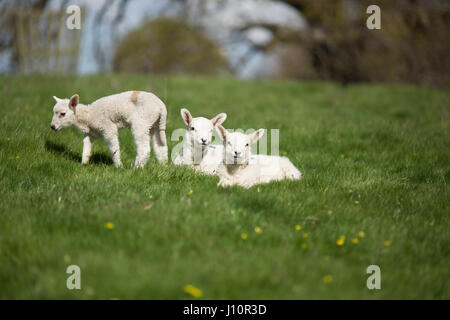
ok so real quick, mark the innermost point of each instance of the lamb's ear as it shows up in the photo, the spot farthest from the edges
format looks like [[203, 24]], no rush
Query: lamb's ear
[[57, 99], [74, 101], [186, 115], [222, 132], [219, 119], [255, 136]]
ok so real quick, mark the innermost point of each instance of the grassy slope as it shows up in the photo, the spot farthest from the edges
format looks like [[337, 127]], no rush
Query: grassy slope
[[395, 144]]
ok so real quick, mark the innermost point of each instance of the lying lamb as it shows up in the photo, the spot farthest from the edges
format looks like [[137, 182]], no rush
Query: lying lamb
[[245, 169], [197, 150], [144, 112]]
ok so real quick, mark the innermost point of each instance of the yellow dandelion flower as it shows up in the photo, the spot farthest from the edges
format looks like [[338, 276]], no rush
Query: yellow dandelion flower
[[298, 227], [191, 191], [305, 235], [340, 241], [17, 157], [350, 190], [304, 245], [355, 240], [328, 279], [284, 153], [150, 196], [258, 230], [109, 225], [356, 202], [387, 243], [361, 234], [244, 236], [9, 139], [342, 156], [193, 291]]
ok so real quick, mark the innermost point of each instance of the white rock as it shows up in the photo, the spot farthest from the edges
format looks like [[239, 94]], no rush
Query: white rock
[[259, 36]]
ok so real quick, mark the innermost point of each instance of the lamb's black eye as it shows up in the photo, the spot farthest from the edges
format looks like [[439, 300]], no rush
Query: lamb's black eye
[[192, 128], [246, 145], [63, 114]]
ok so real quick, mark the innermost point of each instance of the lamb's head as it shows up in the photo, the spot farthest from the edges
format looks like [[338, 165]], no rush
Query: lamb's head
[[237, 145], [199, 130], [64, 112]]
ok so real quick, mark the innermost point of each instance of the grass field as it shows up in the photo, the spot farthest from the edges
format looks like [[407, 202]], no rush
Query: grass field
[[374, 158]]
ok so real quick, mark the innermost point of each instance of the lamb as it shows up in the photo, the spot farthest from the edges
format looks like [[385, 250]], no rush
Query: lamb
[[141, 111], [242, 168], [197, 150]]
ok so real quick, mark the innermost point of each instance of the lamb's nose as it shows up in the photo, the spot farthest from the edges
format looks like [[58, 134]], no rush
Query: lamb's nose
[[203, 141], [53, 127], [237, 153]]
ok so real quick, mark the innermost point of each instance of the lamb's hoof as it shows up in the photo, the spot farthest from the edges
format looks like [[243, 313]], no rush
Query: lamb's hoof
[[224, 184], [139, 165]]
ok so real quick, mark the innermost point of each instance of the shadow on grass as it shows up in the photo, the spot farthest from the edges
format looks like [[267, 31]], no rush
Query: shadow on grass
[[59, 149], [250, 201]]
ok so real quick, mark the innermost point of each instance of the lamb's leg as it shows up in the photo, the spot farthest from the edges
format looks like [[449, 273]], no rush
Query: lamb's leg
[[223, 182], [159, 144], [141, 137], [87, 149], [112, 140], [247, 184]]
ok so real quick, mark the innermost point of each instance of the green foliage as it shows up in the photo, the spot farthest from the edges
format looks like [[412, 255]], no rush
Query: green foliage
[[168, 46], [394, 142]]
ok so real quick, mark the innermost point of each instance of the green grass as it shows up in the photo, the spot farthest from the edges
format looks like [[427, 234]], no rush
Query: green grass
[[389, 144]]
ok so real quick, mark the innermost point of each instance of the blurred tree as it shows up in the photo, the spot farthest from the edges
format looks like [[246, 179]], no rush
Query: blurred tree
[[8, 23], [36, 40], [412, 45], [168, 46]]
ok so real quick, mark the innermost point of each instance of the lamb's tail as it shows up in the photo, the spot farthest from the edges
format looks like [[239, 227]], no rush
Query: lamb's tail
[[162, 125], [158, 135]]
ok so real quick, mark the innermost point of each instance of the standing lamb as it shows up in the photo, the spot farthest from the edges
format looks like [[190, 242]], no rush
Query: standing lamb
[[242, 168], [197, 150], [144, 112]]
